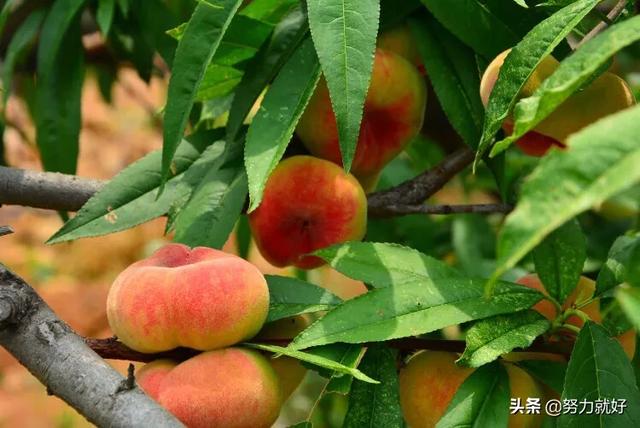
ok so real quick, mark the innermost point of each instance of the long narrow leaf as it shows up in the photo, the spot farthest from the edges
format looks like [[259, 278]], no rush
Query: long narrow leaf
[[344, 33]]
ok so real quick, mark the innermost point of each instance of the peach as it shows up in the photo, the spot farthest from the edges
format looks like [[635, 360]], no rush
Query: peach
[[583, 292], [230, 387], [337, 283], [628, 342], [289, 371], [393, 115], [308, 204], [431, 379], [198, 298], [604, 96], [427, 384], [399, 40], [523, 386]]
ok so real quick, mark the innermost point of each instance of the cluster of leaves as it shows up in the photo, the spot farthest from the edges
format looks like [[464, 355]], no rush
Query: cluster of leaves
[[227, 55]]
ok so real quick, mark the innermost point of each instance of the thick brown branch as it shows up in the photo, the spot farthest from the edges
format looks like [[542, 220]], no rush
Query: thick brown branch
[[115, 350], [419, 189], [69, 369], [47, 190]]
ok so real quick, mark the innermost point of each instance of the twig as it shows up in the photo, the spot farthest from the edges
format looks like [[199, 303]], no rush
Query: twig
[[400, 210], [60, 359], [419, 189], [611, 16]]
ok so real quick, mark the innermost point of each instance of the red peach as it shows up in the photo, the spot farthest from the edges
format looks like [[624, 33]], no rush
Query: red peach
[[201, 298], [233, 387], [393, 115], [308, 204]]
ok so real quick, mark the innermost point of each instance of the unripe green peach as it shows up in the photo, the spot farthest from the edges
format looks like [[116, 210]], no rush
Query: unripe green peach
[[604, 96], [393, 115], [308, 204], [231, 387], [198, 298], [289, 371]]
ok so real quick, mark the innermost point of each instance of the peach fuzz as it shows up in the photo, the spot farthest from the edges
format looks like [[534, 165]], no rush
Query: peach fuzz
[[606, 95], [231, 388], [199, 298], [308, 204], [393, 115]]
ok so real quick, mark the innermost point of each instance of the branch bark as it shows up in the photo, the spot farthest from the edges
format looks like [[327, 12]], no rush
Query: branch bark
[[69, 369], [419, 189], [601, 26], [48, 190], [63, 192]]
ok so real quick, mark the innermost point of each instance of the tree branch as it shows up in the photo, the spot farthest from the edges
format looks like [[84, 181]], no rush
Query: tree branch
[[63, 192], [48, 190], [420, 188], [115, 350], [400, 210], [611, 16], [61, 360]]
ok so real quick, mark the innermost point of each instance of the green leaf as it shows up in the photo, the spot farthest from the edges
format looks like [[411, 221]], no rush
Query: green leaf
[[340, 383], [291, 296], [559, 259], [129, 198], [314, 359], [60, 76], [570, 76], [218, 81], [241, 41], [614, 270], [376, 405], [490, 338], [598, 370], [211, 213], [265, 66], [383, 265], [413, 308], [195, 50], [475, 24], [269, 10], [20, 43], [481, 401], [344, 33], [344, 353], [602, 161], [474, 244], [272, 128], [453, 73], [523, 60], [629, 300], [104, 15], [551, 373]]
